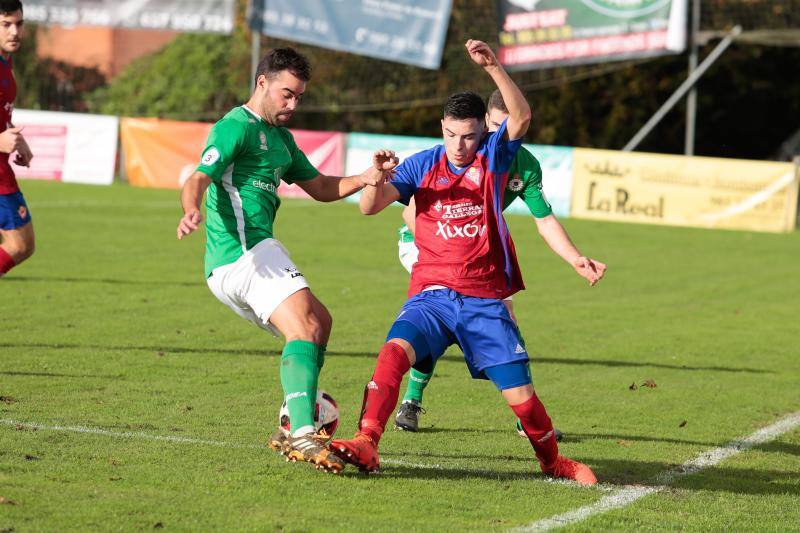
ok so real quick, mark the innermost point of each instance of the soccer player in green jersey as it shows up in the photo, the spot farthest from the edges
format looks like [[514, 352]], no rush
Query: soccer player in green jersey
[[524, 181], [248, 153]]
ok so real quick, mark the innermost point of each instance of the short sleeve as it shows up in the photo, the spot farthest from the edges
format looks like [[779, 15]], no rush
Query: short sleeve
[[301, 168], [530, 172], [501, 151], [224, 143], [408, 174]]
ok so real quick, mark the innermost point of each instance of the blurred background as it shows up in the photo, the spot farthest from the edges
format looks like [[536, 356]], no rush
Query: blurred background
[[748, 103]]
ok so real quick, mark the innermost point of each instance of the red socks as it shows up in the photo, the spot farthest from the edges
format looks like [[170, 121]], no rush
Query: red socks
[[381, 394], [6, 262], [539, 429]]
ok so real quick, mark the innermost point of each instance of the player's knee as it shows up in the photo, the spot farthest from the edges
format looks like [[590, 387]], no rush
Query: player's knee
[[26, 251]]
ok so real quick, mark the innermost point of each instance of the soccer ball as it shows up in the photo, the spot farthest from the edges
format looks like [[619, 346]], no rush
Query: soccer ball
[[326, 415]]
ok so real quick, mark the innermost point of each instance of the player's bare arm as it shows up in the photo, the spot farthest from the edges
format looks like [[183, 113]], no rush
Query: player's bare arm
[[410, 215], [191, 196], [328, 188], [558, 240], [519, 112], [374, 199]]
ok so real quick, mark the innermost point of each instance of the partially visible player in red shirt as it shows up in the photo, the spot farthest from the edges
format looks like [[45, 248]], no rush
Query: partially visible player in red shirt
[[16, 228]]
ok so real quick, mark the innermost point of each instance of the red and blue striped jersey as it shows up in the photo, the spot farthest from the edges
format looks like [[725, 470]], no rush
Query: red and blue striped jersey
[[8, 93], [464, 243]]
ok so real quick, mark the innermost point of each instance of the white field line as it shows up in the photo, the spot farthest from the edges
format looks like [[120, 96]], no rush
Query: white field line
[[173, 438], [625, 496]]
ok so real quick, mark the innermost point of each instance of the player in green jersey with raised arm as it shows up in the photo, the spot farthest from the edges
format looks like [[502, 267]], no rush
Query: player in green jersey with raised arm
[[248, 153], [524, 181]]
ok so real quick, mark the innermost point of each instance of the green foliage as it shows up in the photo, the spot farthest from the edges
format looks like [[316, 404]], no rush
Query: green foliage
[[193, 77]]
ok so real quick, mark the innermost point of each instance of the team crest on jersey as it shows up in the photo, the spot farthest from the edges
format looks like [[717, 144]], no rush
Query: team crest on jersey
[[515, 183], [22, 212], [210, 157], [474, 175], [263, 138], [442, 180]]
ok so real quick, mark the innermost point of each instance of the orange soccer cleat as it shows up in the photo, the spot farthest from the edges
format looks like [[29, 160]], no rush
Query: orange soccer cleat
[[359, 451], [569, 469]]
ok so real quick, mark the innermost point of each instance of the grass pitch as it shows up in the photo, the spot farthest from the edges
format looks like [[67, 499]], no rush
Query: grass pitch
[[132, 399]]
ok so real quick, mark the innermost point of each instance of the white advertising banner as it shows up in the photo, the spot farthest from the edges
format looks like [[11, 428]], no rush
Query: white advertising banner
[[69, 147]]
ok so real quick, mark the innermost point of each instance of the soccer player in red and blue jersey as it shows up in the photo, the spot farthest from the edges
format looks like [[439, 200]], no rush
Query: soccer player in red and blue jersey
[[16, 228], [467, 265]]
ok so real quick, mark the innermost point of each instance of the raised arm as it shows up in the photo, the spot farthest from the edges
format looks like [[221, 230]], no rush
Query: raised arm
[[558, 240], [328, 188], [519, 112], [191, 196]]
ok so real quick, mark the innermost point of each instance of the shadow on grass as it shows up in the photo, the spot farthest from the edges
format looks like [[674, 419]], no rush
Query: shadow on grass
[[612, 363], [373, 355], [580, 437], [108, 281], [609, 472]]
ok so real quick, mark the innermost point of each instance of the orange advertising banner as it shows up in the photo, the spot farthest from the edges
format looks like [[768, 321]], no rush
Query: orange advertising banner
[[164, 153]]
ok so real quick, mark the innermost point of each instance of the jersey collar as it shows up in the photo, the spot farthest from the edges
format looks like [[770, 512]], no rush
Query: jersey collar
[[259, 117]]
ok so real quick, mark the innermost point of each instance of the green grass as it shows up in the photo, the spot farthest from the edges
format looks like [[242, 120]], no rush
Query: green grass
[[110, 326]]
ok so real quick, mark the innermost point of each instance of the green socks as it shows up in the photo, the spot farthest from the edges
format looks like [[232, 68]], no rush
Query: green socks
[[417, 381], [299, 373]]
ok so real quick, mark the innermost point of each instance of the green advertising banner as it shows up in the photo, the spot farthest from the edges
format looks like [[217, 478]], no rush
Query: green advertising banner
[[547, 33]]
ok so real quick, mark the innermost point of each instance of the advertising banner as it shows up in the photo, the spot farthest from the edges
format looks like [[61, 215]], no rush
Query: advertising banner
[[547, 33], [159, 153], [201, 16], [49, 146], [164, 153], [700, 192], [69, 147], [405, 31], [556, 164]]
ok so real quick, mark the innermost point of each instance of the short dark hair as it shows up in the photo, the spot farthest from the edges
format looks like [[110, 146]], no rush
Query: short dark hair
[[9, 6], [464, 106], [280, 59], [496, 102]]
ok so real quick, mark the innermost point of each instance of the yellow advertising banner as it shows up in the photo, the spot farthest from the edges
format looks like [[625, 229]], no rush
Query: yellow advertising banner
[[702, 192]]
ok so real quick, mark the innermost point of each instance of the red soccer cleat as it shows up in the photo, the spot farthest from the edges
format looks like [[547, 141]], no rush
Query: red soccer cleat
[[359, 451], [569, 469]]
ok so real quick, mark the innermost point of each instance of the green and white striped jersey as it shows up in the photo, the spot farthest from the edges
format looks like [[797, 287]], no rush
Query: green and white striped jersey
[[246, 159]]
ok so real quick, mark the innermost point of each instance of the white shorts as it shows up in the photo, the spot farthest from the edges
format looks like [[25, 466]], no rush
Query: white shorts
[[409, 255], [257, 283]]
